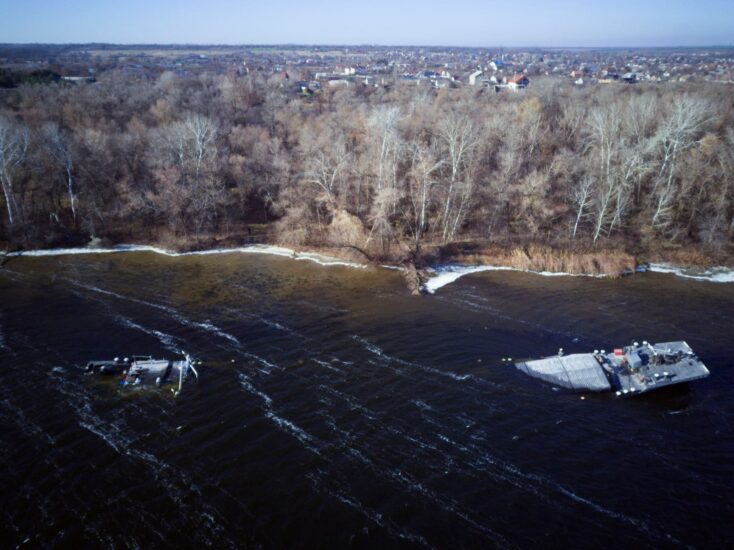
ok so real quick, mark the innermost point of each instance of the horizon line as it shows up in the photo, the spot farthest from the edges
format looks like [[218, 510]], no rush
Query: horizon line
[[364, 45]]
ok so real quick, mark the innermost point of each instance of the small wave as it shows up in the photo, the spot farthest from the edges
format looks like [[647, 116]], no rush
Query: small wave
[[307, 439], [418, 442], [326, 364], [372, 348], [444, 502], [206, 325], [178, 484], [351, 401], [369, 513], [284, 424], [267, 365], [712, 275], [276, 325], [369, 346], [26, 424], [453, 443], [409, 484], [98, 290], [214, 329], [247, 384], [168, 341]]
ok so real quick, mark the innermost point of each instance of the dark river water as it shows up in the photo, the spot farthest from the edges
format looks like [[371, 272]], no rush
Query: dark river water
[[334, 409]]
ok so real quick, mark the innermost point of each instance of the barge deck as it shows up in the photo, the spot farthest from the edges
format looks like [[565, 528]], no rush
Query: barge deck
[[631, 370]]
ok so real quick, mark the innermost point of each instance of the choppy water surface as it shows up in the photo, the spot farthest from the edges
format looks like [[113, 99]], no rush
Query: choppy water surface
[[334, 409]]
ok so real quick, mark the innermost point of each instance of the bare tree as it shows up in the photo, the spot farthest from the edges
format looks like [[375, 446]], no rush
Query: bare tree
[[572, 119], [14, 139], [384, 138], [422, 177], [380, 217], [581, 194], [324, 168], [459, 140], [616, 163], [681, 124], [58, 144], [630, 168], [194, 189], [499, 184]]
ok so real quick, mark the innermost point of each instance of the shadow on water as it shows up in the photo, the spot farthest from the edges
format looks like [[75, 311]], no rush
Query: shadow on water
[[671, 399]]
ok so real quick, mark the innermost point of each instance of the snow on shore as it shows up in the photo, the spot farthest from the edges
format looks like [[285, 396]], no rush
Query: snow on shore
[[447, 274], [444, 274], [250, 249], [712, 275]]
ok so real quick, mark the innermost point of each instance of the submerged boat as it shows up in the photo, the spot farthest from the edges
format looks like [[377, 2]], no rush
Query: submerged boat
[[145, 370], [630, 370]]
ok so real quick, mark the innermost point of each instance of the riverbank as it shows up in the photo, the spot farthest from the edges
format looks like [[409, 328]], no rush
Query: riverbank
[[438, 265]]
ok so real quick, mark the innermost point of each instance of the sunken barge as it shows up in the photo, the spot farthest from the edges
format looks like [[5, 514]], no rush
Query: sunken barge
[[630, 370], [146, 371]]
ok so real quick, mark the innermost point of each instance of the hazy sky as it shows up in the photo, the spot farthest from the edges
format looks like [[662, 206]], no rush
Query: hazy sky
[[395, 22]]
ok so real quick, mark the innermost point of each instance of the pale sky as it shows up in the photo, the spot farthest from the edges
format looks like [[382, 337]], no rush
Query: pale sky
[[390, 22]]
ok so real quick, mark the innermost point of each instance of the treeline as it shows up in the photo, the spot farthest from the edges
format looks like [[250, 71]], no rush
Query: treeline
[[12, 79], [382, 170]]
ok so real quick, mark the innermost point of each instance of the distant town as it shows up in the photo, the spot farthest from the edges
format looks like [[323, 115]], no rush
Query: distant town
[[308, 69]]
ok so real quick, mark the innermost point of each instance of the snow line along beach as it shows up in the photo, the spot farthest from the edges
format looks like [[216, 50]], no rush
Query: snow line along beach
[[713, 275], [250, 249], [445, 274]]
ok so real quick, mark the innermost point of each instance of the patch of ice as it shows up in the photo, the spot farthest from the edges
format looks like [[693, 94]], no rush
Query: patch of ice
[[713, 275], [447, 274], [249, 249]]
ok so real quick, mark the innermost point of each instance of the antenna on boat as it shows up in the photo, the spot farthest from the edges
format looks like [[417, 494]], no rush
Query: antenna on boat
[[180, 379], [189, 363]]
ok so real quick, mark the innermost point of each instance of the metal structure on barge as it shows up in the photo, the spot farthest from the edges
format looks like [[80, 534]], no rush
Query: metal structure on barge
[[146, 371], [631, 370]]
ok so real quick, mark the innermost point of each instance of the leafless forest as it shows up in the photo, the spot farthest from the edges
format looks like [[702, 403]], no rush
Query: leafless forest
[[388, 171]]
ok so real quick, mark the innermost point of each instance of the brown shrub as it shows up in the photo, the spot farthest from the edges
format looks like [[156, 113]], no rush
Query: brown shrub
[[544, 258]]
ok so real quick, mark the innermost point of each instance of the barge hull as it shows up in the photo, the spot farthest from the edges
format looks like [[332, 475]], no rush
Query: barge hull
[[631, 370]]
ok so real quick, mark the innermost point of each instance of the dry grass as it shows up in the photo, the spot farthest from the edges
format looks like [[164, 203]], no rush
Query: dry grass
[[687, 257], [544, 258]]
